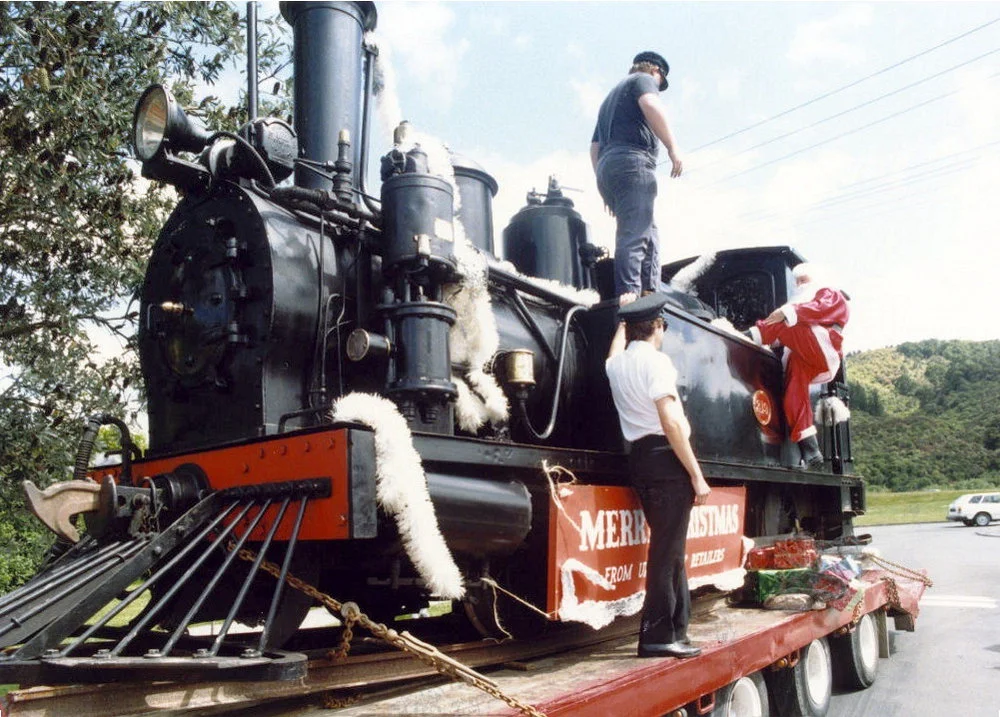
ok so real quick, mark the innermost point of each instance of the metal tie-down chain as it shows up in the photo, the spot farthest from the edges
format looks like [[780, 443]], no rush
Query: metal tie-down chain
[[404, 641]]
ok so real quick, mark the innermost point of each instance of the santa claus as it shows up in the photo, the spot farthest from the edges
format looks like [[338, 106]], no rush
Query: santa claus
[[811, 328]]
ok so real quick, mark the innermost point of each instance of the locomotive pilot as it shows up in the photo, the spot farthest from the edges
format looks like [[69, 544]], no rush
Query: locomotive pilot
[[664, 470], [630, 123], [811, 328]]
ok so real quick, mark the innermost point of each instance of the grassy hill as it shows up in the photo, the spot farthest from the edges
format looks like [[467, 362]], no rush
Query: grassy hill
[[927, 415]]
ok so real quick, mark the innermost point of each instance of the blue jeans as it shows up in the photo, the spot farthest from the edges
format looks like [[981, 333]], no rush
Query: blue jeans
[[626, 179]]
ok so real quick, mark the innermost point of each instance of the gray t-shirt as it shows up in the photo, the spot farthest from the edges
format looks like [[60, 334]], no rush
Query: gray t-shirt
[[620, 121]]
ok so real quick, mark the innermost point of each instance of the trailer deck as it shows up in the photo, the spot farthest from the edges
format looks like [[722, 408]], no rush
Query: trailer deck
[[608, 679]]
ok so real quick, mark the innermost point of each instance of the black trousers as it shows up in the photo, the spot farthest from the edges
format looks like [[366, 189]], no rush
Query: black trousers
[[665, 491]]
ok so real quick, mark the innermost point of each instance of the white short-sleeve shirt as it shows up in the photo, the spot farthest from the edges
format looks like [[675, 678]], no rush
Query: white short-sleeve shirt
[[639, 376]]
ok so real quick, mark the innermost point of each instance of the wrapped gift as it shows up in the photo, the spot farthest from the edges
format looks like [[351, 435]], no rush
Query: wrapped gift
[[840, 594], [761, 558], [776, 582], [795, 553]]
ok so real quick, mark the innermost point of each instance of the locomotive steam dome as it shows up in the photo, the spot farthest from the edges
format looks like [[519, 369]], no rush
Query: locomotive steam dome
[[546, 239]]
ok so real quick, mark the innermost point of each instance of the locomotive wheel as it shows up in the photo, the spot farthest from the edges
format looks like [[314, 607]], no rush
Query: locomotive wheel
[[498, 616], [804, 690], [747, 697], [855, 656]]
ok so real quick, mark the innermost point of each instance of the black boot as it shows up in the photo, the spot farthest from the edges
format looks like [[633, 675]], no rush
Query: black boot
[[812, 457]]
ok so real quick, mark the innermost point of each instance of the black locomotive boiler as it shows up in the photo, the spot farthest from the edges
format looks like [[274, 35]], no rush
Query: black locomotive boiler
[[361, 392]]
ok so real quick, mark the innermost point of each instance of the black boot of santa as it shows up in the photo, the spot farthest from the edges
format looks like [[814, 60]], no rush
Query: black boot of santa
[[812, 457]]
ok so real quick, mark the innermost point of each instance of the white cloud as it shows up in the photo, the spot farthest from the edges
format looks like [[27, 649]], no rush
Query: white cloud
[[831, 39], [425, 46], [730, 83], [589, 96]]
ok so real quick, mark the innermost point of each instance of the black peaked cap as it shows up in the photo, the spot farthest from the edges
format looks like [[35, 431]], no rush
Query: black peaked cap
[[656, 59], [645, 309]]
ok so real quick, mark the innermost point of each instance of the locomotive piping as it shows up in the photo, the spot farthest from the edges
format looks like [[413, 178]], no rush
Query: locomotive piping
[[522, 408]]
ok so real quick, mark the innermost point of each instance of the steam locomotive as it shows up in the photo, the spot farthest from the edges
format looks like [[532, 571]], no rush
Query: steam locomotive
[[363, 392]]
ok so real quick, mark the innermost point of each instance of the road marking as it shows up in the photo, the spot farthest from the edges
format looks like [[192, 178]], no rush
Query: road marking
[[973, 601]]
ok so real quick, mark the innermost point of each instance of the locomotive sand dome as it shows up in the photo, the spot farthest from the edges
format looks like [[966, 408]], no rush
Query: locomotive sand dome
[[362, 393]]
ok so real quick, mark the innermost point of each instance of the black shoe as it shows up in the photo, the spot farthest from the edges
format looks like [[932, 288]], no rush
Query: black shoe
[[668, 649], [812, 457]]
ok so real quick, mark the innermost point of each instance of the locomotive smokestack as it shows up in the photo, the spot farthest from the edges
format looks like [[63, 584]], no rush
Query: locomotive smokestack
[[328, 79]]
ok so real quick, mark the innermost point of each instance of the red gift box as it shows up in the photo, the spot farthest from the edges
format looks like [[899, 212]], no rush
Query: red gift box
[[795, 553], [761, 558]]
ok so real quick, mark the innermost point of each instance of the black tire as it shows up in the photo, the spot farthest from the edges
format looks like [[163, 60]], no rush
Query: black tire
[[855, 655], [803, 690], [968, 523], [746, 697], [981, 520]]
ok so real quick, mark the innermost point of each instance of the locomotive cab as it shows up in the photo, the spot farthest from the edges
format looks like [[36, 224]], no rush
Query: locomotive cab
[[741, 285]]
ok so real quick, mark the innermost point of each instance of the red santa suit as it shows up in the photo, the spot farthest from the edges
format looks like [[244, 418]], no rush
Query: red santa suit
[[813, 334]]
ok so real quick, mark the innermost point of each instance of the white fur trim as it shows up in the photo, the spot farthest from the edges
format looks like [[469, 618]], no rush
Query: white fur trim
[[727, 326], [831, 411], [401, 489], [791, 318], [725, 581], [685, 279], [806, 432], [594, 613], [822, 335]]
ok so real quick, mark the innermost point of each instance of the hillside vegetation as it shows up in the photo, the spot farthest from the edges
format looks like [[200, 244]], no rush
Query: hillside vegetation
[[927, 415]]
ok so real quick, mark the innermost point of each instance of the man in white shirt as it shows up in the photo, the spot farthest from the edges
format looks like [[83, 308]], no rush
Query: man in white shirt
[[664, 470]]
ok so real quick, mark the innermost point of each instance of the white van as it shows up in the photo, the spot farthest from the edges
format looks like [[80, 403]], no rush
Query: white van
[[975, 508]]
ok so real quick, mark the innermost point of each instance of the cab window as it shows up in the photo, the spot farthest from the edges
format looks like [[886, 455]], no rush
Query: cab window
[[744, 298], [975, 499]]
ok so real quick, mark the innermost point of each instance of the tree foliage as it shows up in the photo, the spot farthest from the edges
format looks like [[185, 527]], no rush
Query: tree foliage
[[936, 421], [76, 220]]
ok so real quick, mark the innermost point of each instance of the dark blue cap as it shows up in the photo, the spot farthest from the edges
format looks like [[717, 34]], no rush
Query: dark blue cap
[[645, 309], [656, 59]]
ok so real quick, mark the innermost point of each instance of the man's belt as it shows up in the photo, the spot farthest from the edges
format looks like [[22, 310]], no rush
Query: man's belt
[[651, 442]]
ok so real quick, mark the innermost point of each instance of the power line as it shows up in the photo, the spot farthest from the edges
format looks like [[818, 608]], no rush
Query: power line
[[757, 216], [827, 210], [918, 165], [852, 109], [847, 86], [836, 137]]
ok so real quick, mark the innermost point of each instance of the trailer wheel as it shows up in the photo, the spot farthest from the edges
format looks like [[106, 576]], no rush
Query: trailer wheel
[[747, 697], [804, 690], [855, 656]]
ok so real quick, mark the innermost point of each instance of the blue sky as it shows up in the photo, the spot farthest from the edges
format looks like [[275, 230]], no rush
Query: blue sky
[[901, 208]]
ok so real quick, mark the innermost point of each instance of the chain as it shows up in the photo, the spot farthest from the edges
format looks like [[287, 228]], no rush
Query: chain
[[892, 591], [426, 653], [901, 570]]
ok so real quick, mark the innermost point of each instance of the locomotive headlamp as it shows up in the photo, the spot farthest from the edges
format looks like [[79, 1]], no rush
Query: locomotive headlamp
[[159, 121]]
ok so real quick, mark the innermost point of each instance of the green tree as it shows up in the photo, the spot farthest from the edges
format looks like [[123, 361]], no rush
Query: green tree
[[76, 221]]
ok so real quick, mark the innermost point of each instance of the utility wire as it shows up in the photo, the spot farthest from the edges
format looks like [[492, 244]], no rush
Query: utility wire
[[848, 111], [845, 87], [918, 165], [757, 217], [836, 137]]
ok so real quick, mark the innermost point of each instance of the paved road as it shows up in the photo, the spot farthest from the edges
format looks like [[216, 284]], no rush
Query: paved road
[[951, 664]]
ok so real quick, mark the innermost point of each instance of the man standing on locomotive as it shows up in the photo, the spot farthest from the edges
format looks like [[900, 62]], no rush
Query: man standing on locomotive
[[664, 470], [812, 331], [623, 152]]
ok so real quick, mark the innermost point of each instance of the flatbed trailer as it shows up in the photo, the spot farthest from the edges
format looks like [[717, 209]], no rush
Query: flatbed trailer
[[740, 645]]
